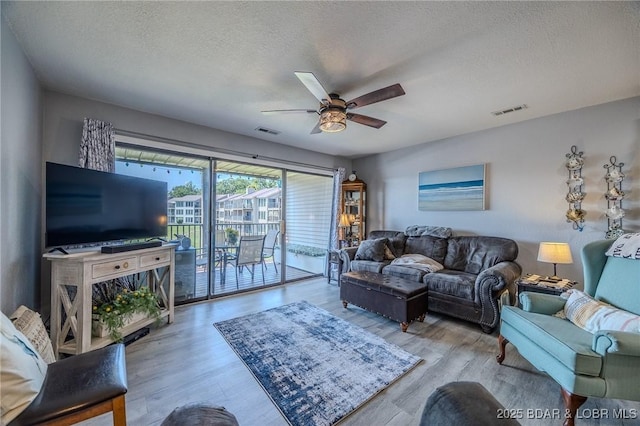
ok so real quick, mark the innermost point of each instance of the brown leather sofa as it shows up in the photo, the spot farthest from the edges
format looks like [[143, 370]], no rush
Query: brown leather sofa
[[477, 269]]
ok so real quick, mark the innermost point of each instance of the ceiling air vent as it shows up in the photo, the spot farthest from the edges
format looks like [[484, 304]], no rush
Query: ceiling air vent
[[265, 130], [508, 110]]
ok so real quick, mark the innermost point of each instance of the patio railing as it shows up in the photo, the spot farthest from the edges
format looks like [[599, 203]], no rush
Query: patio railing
[[197, 233]]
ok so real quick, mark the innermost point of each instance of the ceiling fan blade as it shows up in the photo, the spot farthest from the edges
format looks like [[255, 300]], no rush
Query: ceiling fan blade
[[316, 129], [376, 96], [313, 85], [366, 120], [286, 111]]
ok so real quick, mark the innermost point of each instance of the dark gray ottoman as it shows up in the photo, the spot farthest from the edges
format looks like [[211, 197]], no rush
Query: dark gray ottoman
[[200, 414], [464, 403], [393, 297]]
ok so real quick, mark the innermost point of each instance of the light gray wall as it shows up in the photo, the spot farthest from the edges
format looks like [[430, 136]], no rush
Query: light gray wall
[[525, 180], [21, 183], [63, 117]]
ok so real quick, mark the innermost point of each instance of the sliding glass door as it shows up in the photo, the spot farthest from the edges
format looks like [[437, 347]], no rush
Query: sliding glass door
[[248, 205], [188, 201], [215, 207], [308, 220]]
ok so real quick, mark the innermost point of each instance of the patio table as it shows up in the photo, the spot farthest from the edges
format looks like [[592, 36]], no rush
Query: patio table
[[226, 253]]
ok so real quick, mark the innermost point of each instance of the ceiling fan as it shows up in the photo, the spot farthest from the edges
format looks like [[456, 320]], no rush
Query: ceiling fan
[[333, 110]]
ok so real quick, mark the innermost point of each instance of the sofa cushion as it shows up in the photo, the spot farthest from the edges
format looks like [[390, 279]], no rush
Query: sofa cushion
[[382, 233], [593, 315], [367, 265], [433, 247], [428, 231], [388, 254], [418, 261], [30, 324], [405, 272], [454, 283], [22, 373], [396, 244], [474, 254], [372, 250], [567, 343], [626, 246]]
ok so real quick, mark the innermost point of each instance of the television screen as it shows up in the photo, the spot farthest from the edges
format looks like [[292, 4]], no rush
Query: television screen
[[88, 206]]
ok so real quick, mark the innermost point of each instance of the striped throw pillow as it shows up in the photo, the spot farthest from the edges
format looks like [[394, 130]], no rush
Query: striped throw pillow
[[593, 315]]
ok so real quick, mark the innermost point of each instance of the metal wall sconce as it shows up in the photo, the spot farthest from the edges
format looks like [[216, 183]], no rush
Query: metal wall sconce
[[575, 215], [614, 196]]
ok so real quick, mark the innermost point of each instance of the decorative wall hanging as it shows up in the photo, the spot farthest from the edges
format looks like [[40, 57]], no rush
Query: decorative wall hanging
[[459, 188], [614, 196], [575, 214]]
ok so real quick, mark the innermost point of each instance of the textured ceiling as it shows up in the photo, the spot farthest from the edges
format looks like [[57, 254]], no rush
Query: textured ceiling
[[219, 64]]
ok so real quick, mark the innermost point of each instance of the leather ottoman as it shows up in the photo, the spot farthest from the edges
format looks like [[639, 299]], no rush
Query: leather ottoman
[[392, 297]]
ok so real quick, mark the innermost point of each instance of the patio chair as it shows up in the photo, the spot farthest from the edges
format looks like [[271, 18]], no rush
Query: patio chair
[[269, 247], [202, 259], [220, 237], [249, 253]]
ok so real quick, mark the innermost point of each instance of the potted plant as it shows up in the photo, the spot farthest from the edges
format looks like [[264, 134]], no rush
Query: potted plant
[[117, 303], [232, 236]]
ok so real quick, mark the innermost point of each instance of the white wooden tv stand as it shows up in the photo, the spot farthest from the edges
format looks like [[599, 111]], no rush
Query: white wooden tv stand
[[76, 272]]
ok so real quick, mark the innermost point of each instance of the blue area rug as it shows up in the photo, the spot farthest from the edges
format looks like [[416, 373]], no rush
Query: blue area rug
[[316, 368]]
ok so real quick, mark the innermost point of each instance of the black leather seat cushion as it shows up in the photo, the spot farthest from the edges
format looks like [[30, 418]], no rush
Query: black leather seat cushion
[[76, 383]]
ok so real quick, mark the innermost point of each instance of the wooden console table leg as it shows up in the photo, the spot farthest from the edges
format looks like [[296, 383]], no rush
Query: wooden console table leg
[[404, 326], [56, 316], [83, 337]]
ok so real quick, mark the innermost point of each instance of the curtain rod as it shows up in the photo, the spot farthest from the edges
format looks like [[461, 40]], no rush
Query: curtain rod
[[219, 150]]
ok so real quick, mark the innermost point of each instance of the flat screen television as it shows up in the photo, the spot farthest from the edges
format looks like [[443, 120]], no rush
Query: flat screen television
[[88, 206]]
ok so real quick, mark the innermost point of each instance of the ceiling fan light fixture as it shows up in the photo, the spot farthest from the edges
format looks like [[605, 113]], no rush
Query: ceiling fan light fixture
[[333, 120]]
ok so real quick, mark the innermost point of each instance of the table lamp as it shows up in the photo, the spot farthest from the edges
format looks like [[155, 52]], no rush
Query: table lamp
[[344, 223], [554, 253]]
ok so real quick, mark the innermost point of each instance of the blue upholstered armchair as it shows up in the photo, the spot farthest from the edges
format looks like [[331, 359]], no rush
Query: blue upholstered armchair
[[603, 364]]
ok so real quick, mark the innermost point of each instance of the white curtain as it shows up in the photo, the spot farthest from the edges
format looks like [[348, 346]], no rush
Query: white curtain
[[338, 177], [98, 146]]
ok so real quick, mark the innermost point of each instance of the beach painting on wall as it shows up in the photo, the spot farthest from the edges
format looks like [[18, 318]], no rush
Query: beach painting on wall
[[458, 188]]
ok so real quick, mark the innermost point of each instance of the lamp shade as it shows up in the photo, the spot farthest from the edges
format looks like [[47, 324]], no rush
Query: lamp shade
[[333, 120], [344, 221], [554, 253]]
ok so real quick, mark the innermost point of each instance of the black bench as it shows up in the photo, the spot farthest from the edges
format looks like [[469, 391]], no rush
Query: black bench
[[392, 297]]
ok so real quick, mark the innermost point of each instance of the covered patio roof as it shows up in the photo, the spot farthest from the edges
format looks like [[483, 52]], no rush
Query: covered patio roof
[[163, 158]]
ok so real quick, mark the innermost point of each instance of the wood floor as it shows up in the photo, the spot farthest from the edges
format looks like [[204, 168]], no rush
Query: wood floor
[[188, 361]]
